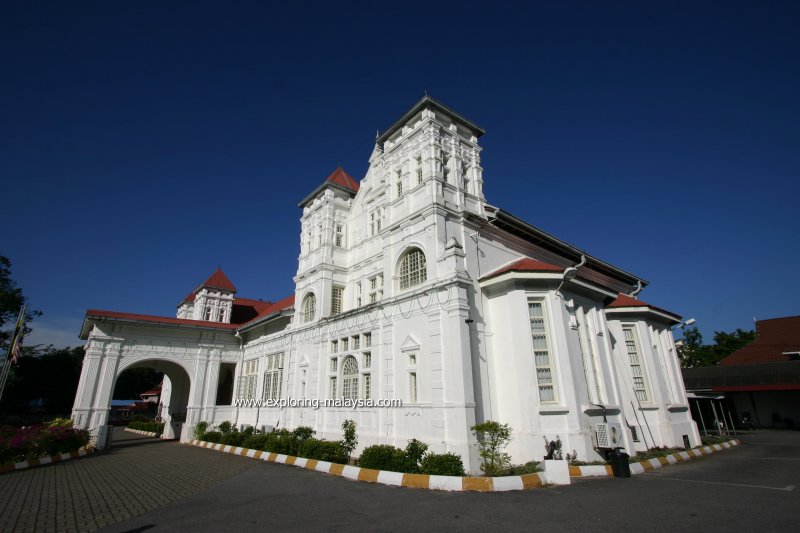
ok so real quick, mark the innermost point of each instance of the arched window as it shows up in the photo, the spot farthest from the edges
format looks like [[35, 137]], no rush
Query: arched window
[[350, 378], [412, 269], [309, 307]]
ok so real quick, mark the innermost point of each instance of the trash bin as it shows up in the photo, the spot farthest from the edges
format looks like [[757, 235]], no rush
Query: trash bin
[[619, 463]]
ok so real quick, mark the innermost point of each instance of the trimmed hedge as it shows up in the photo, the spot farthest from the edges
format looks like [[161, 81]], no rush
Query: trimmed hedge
[[383, 457], [323, 450], [442, 464], [151, 426]]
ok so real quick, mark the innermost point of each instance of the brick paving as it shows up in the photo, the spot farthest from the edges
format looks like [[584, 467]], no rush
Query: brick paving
[[136, 475]]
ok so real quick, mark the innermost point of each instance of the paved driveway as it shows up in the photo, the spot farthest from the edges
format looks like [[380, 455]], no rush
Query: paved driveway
[[138, 474], [751, 486], [147, 485]]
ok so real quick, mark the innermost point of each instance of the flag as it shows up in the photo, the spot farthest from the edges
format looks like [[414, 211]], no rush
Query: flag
[[16, 340]]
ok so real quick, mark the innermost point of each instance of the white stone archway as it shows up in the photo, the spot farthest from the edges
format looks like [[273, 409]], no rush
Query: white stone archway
[[192, 370]]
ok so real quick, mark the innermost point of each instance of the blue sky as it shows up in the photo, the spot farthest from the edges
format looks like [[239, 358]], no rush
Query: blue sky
[[145, 143]]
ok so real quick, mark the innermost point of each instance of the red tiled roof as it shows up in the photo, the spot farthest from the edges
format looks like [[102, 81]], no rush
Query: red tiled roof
[[246, 309], [525, 264], [219, 280], [623, 300], [774, 337], [189, 297], [343, 179], [286, 303], [157, 319]]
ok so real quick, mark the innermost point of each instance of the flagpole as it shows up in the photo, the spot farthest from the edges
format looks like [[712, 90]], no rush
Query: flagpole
[[11, 347]]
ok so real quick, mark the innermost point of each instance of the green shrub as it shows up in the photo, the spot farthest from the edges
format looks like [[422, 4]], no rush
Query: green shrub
[[414, 452], [255, 442], [304, 432], [59, 423], [383, 457], [200, 430], [518, 470], [442, 464], [212, 436], [323, 450], [225, 427], [233, 438], [282, 441]]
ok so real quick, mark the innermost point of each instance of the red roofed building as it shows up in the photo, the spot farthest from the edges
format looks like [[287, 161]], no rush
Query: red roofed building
[[760, 381], [411, 288]]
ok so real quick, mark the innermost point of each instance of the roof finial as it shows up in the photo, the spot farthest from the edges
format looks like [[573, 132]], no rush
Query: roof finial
[[426, 91], [377, 134]]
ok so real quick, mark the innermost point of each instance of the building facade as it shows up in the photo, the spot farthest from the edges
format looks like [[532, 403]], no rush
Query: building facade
[[411, 286]]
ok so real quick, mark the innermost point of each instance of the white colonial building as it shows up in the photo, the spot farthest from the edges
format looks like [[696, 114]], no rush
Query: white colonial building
[[411, 286]]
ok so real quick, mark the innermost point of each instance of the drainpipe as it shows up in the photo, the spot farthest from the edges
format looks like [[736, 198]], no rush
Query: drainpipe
[[569, 274]]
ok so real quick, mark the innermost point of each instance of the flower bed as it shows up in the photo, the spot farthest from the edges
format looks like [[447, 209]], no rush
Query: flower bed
[[20, 444]]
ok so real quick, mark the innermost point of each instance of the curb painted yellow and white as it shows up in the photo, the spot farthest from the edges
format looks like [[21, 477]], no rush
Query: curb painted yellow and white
[[421, 481], [41, 461], [141, 432], [652, 464]]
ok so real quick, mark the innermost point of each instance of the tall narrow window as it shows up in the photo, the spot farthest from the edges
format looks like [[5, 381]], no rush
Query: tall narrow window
[[350, 378], [399, 183], [273, 377], [332, 388], [419, 169], [588, 355], [339, 235], [367, 386], [309, 307], [372, 223], [412, 269], [635, 360], [541, 352], [336, 300], [247, 380], [412, 387], [208, 313]]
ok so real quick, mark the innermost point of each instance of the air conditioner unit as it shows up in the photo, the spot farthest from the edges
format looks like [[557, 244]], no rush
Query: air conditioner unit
[[608, 435], [267, 429]]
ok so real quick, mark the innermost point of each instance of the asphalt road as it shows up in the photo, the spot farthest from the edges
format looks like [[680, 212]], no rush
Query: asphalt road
[[748, 487]]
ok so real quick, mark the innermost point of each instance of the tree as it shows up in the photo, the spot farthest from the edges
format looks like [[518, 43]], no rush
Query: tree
[[11, 301], [493, 437], [693, 353]]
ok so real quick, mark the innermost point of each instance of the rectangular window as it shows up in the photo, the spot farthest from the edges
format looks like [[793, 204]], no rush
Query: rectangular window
[[372, 224], [367, 340], [373, 297], [367, 386], [541, 352], [367, 360], [336, 300], [412, 387], [334, 346], [356, 342], [273, 377], [635, 360], [332, 388], [333, 364], [339, 235], [373, 283], [344, 345], [247, 379]]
